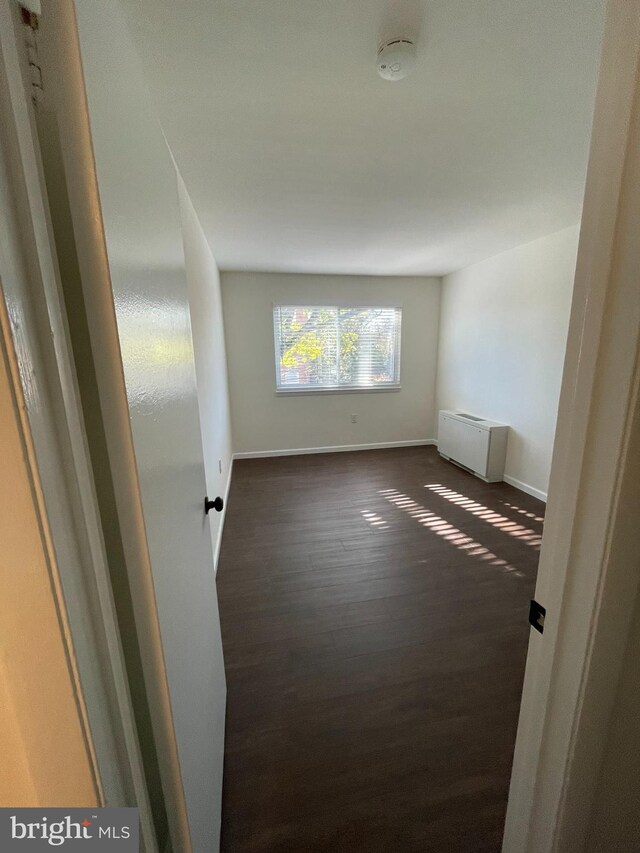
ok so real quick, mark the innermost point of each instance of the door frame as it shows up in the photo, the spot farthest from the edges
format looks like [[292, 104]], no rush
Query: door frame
[[587, 579], [53, 430]]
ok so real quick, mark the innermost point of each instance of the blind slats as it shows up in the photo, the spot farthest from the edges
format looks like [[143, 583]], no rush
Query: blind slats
[[330, 346]]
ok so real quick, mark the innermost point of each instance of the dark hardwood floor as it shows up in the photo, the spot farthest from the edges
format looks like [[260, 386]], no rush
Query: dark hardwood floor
[[374, 621]]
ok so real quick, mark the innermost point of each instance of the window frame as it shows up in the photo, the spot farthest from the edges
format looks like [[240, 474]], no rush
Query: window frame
[[382, 388]]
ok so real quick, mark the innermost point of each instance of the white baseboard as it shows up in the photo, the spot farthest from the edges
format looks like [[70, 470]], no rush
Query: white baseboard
[[216, 553], [343, 448], [525, 487]]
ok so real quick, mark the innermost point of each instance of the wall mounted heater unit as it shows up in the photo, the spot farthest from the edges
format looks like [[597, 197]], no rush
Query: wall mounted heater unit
[[477, 445]]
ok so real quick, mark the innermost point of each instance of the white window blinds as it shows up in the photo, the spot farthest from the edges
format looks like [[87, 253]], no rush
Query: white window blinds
[[333, 347]]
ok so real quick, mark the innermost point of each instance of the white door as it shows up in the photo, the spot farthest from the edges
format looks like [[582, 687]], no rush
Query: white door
[[37, 346], [588, 578], [140, 214]]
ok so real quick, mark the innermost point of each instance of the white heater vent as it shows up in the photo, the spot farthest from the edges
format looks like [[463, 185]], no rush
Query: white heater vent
[[478, 445]]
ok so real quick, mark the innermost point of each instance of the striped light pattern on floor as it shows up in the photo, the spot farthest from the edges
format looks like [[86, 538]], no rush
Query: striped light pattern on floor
[[441, 527], [512, 528]]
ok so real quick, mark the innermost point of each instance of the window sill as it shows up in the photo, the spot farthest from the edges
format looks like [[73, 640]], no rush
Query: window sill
[[305, 392]]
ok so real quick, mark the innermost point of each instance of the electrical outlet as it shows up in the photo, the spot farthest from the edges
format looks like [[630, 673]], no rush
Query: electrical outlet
[[354, 419], [220, 465]]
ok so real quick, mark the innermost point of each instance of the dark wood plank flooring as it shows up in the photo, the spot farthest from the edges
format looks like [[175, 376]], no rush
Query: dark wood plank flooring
[[374, 621]]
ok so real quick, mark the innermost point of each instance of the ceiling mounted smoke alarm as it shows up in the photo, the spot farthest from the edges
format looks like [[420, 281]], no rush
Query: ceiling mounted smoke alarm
[[396, 59]]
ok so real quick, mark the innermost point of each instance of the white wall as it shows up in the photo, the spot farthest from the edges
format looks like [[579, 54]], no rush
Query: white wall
[[503, 330], [263, 421], [207, 330]]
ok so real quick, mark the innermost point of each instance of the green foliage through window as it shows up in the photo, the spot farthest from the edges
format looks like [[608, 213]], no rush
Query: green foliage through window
[[332, 347]]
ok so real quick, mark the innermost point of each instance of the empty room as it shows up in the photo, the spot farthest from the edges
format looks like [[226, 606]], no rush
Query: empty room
[[319, 334], [405, 301]]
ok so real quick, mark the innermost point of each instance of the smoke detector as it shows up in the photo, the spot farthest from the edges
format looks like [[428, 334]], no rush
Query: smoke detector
[[396, 58]]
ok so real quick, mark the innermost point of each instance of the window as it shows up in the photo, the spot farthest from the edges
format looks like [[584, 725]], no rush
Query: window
[[331, 348]]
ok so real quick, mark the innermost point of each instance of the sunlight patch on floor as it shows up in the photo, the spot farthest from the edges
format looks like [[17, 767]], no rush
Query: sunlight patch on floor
[[506, 525], [524, 512], [374, 519], [441, 527]]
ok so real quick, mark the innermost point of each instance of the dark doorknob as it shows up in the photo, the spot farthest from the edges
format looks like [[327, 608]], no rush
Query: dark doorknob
[[217, 504]]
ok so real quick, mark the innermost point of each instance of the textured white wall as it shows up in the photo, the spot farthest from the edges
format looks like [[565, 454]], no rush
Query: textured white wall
[[207, 330], [503, 330], [263, 421]]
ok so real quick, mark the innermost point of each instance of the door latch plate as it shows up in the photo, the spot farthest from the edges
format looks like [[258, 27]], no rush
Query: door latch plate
[[536, 616]]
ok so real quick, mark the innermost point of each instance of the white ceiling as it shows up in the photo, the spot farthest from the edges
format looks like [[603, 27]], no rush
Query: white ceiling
[[298, 157]]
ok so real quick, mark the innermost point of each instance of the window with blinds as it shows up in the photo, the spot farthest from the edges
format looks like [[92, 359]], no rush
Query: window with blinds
[[329, 347]]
